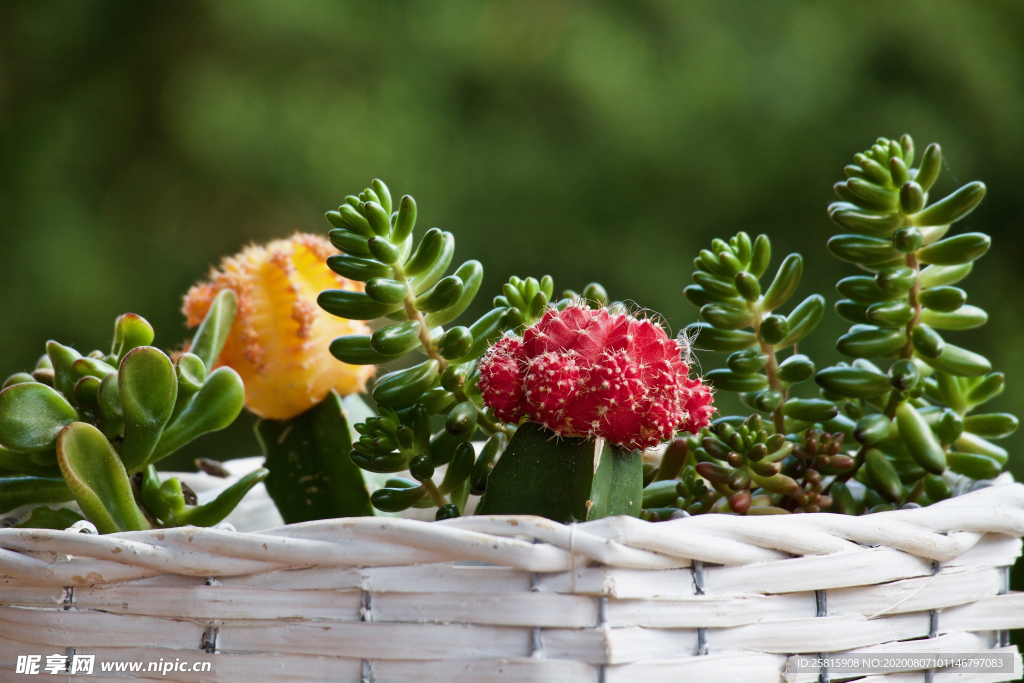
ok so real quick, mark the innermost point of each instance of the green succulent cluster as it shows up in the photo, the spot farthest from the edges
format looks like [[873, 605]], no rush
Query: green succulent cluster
[[91, 428], [903, 433], [741, 319], [408, 288]]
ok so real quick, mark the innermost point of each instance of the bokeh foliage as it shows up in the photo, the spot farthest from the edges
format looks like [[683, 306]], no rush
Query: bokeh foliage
[[605, 141]]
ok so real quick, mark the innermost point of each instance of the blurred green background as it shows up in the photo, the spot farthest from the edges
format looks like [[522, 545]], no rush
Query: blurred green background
[[610, 141]]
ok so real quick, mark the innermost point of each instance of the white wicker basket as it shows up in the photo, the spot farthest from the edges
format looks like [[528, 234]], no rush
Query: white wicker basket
[[713, 598]]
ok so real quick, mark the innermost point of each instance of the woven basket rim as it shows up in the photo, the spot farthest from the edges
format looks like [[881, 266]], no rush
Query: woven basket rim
[[940, 532]]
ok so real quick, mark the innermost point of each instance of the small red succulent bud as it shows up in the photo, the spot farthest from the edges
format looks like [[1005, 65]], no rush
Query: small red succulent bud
[[585, 372], [502, 384]]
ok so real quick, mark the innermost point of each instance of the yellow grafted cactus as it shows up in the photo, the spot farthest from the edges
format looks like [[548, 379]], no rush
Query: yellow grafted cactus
[[279, 340]]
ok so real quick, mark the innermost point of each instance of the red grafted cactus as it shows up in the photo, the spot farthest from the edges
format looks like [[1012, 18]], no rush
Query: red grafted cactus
[[585, 372]]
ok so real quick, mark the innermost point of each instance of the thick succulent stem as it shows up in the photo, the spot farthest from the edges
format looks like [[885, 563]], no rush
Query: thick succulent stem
[[908, 349], [435, 495], [414, 314], [770, 370]]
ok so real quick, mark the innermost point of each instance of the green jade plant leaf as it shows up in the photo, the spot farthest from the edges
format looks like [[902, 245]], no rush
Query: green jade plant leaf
[[90, 428]]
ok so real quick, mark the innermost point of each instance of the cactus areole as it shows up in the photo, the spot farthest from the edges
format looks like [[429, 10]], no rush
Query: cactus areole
[[585, 372]]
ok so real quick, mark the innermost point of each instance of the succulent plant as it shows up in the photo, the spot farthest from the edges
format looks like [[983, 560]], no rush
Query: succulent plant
[[876, 439], [585, 372], [406, 284], [595, 387], [90, 428], [409, 287]]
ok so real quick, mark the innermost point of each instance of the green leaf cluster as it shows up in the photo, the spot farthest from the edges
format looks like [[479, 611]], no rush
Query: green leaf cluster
[[407, 286], [894, 425], [91, 428], [742, 319]]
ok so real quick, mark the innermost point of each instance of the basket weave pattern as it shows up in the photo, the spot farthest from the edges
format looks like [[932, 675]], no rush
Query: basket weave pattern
[[711, 598]]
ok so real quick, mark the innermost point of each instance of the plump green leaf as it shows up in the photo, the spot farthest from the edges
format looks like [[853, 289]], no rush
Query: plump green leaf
[[972, 443], [866, 222], [774, 328], [847, 309], [991, 425], [896, 280], [455, 343], [747, 361], [732, 381], [882, 475], [911, 198], [784, 284], [987, 389], [927, 342], [21, 463], [347, 241], [359, 268], [713, 339], [63, 360], [960, 362], [937, 276], [795, 369], [872, 428], [130, 332], [94, 473], [974, 465], [386, 290], [31, 416], [889, 314], [436, 269], [863, 250], [148, 387], [214, 407], [406, 219], [17, 378], [357, 349], [852, 382], [746, 284], [942, 299], [472, 275], [209, 339], [931, 164], [110, 414], [19, 490], [345, 303], [919, 439], [864, 290], [402, 388], [956, 250], [952, 208], [871, 343], [964, 318], [727, 315], [46, 517], [809, 409], [220, 507]]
